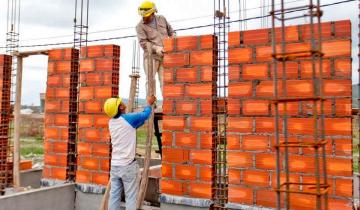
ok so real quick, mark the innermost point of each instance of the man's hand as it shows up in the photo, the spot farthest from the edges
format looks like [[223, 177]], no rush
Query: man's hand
[[158, 50], [151, 100]]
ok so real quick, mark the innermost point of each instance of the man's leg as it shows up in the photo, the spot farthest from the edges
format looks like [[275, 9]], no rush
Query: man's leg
[[159, 70], [115, 191], [131, 185]]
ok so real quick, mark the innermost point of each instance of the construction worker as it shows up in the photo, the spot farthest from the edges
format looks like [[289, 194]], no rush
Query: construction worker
[[124, 167], [153, 29]]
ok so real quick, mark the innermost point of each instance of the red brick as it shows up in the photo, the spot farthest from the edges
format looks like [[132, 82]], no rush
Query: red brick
[[240, 55], [298, 47], [186, 75], [199, 58], [61, 120], [301, 125], [291, 70], [51, 133], [185, 172], [106, 64], [86, 121], [255, 71], [168, 76], [173, 91], [343, 107], [58, 173], [299, 88], [171, 187], [302, 201], [239, 159], [233, 142], [234, 72], [186, 43], [256, 178], [343, 28], [265, 89], [291, 34], [242, 89], [344, 187], [335, 204], [306, 69], [234, 176], [173, 123], [186, 107], [339, 166], [186, 139], [200, 190], [54, 80], [255, 142], [167, 138], [206, 107], [93, 107], [240, 195], [240, 124], [94, 51], [206, 141], [168, 107], [337, 88], [207, 74], [111, 50], [62, 93], [234, 38], [60, 147], [205, 173], [103, 92], [343, 147], [207, 41], [51, 69], [336, 48], [63, 67], [265, 161], [255, 37], [338, 126], [325, 31], [89, 163], [292, 108], [83, 176], [101, 150], [233, 106], [201, 157], [93, 134], [266, 198], [166, 170], [52, 106], [255, 107], [265, 125], [175, 155], [56, 54], [302, 164], [292, 178], [168, 44], [84, 148], [343, 68], [101, 121], [264, 53], [100, 178], [201, 123], [176, 60], [86, 93]]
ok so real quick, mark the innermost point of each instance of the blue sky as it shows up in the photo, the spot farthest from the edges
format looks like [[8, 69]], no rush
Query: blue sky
[[44, 21]]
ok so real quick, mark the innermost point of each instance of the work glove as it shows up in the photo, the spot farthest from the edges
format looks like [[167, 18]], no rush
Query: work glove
[[158, 50]]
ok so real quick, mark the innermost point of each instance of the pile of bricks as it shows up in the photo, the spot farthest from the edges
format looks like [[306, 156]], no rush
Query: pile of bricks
[[62, 64], [251, 156], [99, 80], [189, 87], [5, 78]]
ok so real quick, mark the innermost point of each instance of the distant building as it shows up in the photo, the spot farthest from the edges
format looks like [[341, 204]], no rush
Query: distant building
[[42, 102]]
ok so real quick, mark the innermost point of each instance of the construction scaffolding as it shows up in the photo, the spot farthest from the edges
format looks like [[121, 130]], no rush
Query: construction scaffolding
[[220, 114], [281, 56]]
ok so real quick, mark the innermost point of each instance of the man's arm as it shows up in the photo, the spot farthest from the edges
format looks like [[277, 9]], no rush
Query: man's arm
[[141, 34], [169, 29], [138, 119]]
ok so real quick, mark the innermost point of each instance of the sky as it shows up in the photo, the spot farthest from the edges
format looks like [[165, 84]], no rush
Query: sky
[[44, 21]]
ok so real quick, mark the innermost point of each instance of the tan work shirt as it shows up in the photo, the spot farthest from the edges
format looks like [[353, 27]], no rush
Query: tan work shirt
[[155, 36]]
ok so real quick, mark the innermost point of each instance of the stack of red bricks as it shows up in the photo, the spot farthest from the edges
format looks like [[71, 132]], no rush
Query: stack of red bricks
[[251, 156], [61, 65], [5, 78], [99, 80], [189, 87]]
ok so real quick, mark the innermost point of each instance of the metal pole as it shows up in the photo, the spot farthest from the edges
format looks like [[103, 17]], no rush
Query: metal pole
[[17, 119]]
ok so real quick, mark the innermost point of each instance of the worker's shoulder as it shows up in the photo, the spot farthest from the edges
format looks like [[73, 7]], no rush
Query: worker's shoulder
[[160, 17]]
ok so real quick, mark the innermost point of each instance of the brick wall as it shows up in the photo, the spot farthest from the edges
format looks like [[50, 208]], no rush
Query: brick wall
[[189, 85], [62, 64], [5, 85], [251, 156], [99, 80]]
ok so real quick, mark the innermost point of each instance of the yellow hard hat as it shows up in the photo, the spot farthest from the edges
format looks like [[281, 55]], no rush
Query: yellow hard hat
[[147, 8], [111, 106]]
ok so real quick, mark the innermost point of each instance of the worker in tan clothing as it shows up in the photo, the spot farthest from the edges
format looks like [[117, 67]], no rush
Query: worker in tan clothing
[[153, 29]]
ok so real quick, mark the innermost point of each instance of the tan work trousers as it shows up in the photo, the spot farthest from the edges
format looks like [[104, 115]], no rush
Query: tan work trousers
[[157, 69]]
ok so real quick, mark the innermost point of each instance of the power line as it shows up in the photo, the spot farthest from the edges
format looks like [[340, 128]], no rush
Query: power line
[[172, 21], [181, 29]]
